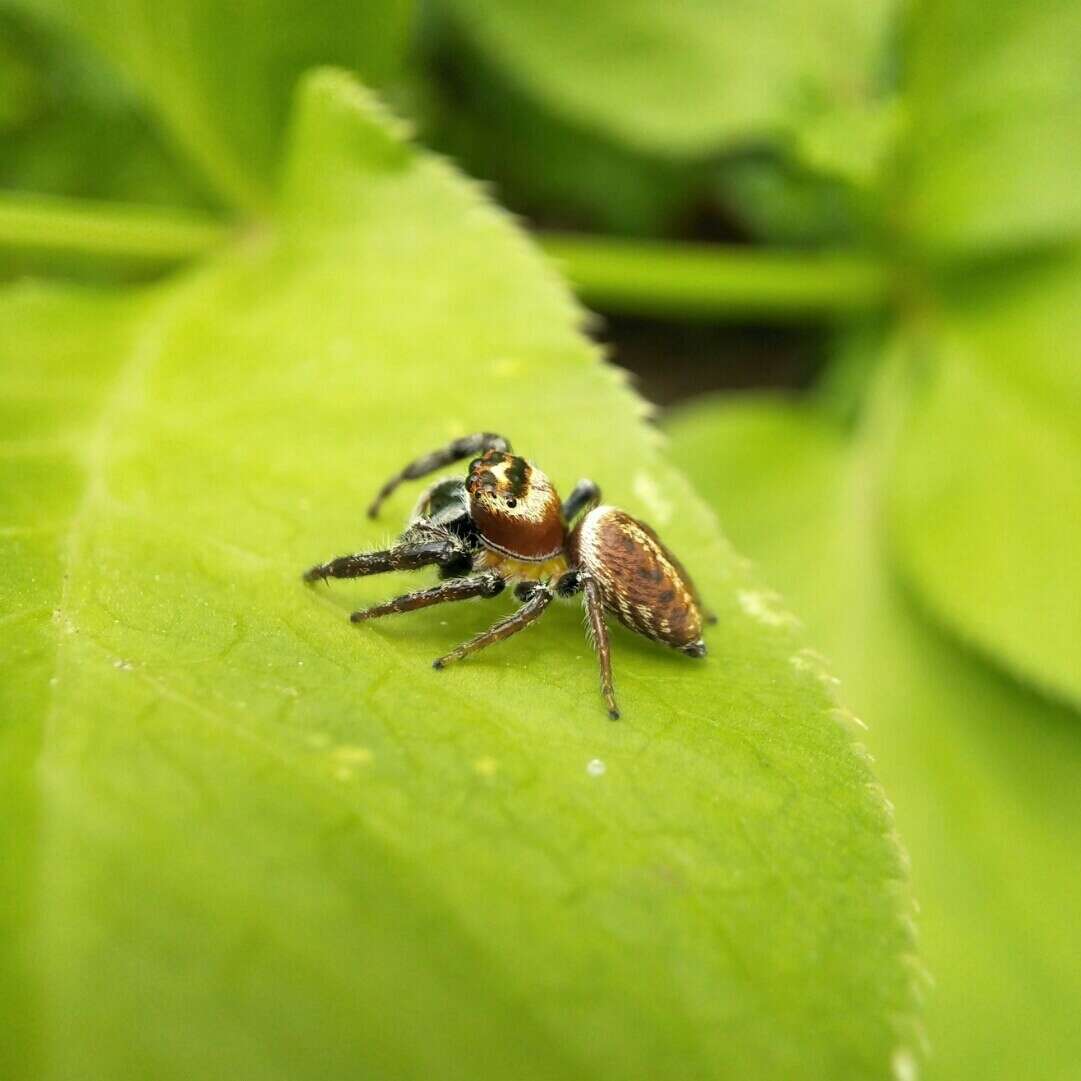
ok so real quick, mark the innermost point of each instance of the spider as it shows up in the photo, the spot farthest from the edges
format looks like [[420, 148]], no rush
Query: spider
[[505, 523]]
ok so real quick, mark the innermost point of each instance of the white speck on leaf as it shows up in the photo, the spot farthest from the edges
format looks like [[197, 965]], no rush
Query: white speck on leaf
[[904, 1065], [596, 767]]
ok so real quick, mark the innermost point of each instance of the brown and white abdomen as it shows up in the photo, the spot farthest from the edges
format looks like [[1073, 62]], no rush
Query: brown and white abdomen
[[642, 584]]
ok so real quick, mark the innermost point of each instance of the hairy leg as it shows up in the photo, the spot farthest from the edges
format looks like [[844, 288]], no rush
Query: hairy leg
[[454, 589], [408, 555], [586, 496], [598, 629], [536, 599], [579, 581], [468, 446]]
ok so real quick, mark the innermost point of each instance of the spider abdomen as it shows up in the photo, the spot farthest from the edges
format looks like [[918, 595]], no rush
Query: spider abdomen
[[641, 583]]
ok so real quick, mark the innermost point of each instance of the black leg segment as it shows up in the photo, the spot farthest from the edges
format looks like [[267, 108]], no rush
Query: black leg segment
[[407, 556], [585, 496], [533, 608], [468, 446], [456, 589]]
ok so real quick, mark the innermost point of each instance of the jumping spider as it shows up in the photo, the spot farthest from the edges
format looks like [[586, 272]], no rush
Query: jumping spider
[[505, 523]]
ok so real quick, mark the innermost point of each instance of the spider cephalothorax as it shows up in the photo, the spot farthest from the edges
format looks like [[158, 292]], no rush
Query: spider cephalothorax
[[505, 524], [514, 508]]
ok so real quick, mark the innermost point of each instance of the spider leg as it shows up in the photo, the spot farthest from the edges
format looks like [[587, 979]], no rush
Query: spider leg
[[536, 600], [468, 446], [407, 555], [454, 589], [579, 581], [585, 496], [598, 632]]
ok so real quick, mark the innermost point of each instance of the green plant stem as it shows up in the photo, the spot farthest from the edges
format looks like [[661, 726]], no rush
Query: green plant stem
[[707, 281], [700, 281], [51, 225]]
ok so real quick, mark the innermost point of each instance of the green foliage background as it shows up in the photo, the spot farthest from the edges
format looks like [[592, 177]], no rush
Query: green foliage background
[[240, 838]]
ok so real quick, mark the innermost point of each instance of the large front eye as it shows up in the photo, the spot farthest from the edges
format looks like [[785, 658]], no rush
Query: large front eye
[[511, 501]]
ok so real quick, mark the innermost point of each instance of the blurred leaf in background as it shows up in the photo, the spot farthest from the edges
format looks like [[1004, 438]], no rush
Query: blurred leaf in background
[[685, 78], [67, 127], [987, 494], [219, 77], [993, 97], [542, 164], [640, 117]]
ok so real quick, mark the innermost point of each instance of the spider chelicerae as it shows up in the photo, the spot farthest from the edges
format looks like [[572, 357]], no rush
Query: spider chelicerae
[[503, 524]]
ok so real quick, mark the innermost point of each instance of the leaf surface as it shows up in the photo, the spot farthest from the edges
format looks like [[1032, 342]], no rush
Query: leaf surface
[[562, 172], [68, 128], [262, 842], [688, 77], [994, 103], [220, 76], [983, 772], [986, 496]]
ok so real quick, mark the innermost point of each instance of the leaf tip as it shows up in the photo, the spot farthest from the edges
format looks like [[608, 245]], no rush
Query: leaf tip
[[336, 116]]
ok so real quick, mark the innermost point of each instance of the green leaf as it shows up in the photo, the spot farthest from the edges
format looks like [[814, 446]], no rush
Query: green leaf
[[983, 773], [251, 840], [851, 144], [782, 204], [219, 76], [995, 123], [543, 166], [687, 77], [987, 492], [68, 128]]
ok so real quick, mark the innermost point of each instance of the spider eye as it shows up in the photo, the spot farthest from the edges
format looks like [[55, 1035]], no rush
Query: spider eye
[[511, 501]]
